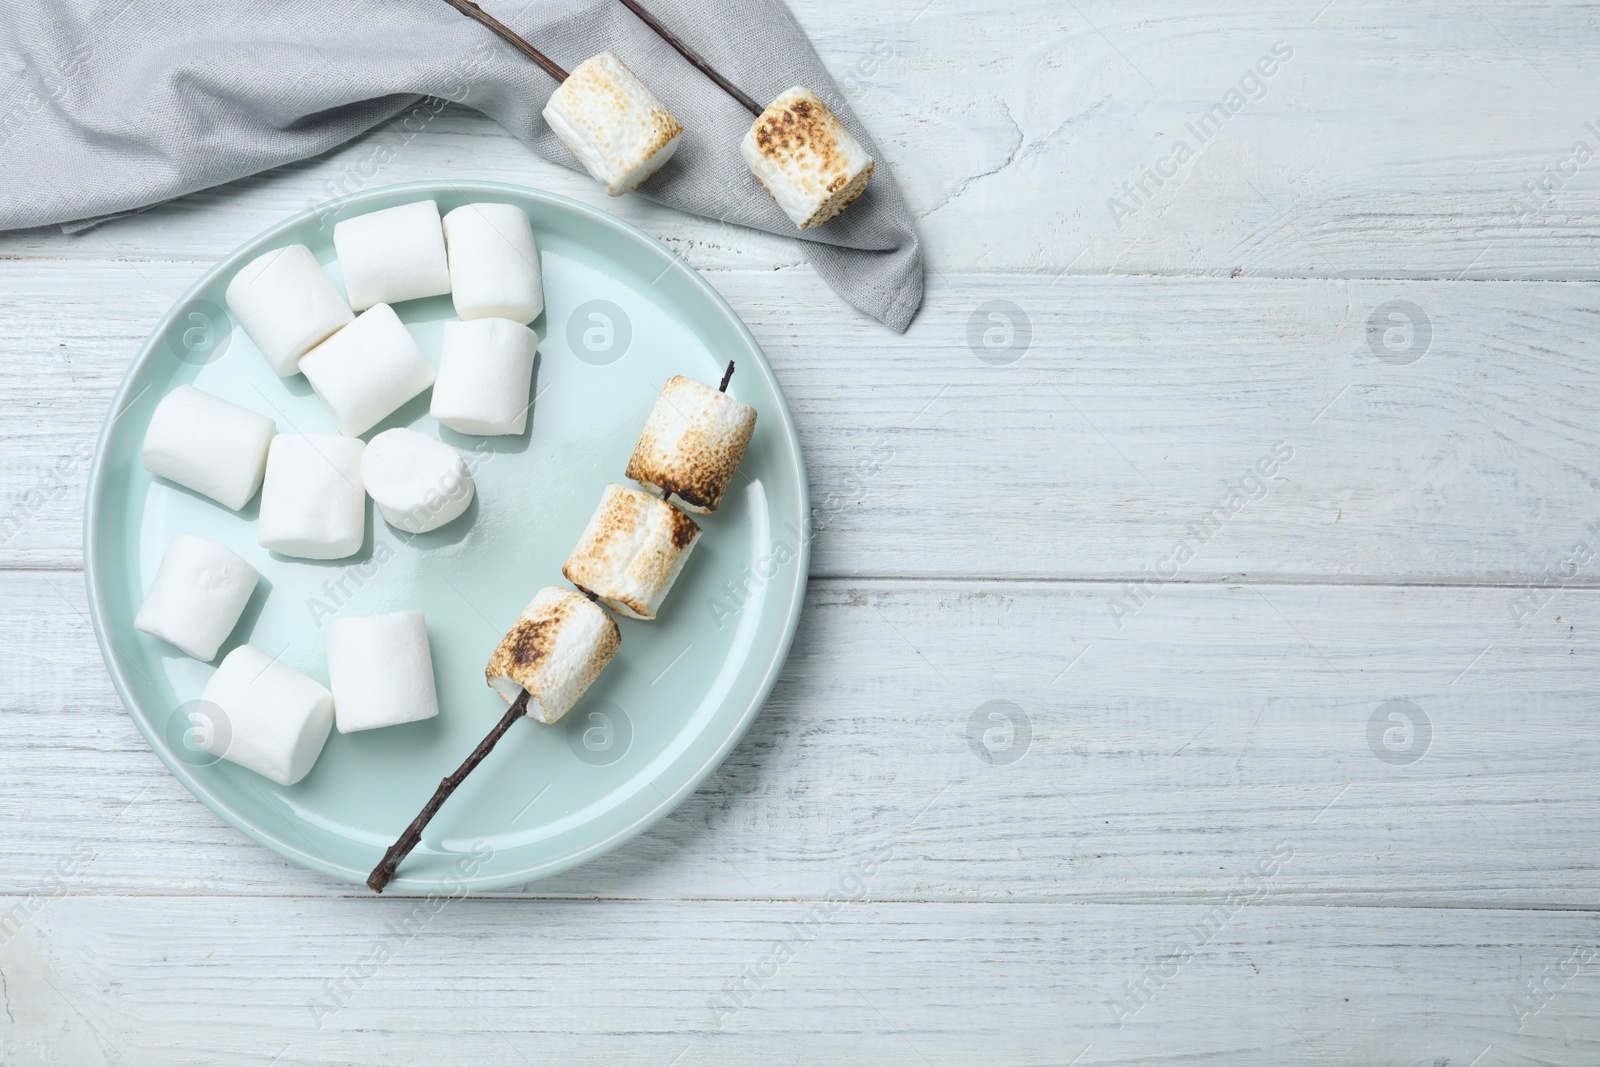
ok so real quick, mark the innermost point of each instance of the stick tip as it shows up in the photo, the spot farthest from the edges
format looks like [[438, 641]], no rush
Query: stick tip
[[726, 378]]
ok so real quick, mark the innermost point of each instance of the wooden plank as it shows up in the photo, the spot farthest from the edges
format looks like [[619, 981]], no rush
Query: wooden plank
[[1155, 762], [1102, 896], [119, 981], [1107, 450], [1013, 134]]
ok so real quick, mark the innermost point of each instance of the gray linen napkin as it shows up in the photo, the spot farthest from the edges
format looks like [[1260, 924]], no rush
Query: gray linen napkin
[[109, 108]]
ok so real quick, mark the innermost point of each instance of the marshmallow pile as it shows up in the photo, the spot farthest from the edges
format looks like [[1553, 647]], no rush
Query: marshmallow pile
[[631, 552], [314, 486]]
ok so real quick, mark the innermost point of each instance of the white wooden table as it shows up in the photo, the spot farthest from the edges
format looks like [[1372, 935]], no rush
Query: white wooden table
[[1198, 831]]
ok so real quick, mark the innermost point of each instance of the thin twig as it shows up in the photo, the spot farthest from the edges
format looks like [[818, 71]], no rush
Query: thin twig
[[726, 378], [402, 848], [473, 11], [693, 57]]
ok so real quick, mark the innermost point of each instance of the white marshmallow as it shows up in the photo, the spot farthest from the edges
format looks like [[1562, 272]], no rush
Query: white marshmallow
[[556, 649], [631, 551], [418, 482], [199, 592], [368, 370], [620, 131], [266, 716], [204, 443], [692, 443], [392, 255], [494, 265], [485, 369], [800, 151], [380, 670], [287, 305], [312, 502]]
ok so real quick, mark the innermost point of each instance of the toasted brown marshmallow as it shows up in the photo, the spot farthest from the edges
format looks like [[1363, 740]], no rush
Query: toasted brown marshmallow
[[800, 151], [631, 551], [692, 443], [620, 131], [556, 649]]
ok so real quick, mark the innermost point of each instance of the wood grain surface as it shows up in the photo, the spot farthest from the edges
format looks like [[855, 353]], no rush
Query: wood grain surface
[[1196, 667]]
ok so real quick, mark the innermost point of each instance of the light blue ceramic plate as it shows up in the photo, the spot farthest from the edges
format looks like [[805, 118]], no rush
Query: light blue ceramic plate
[[622, 314]]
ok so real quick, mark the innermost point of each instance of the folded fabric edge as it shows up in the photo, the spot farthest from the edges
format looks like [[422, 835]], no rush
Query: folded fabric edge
[[77, 226], [903, 309]]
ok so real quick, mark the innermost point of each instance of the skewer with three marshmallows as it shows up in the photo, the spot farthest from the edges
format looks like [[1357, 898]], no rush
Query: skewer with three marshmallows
[[622, 133], [627, 558]]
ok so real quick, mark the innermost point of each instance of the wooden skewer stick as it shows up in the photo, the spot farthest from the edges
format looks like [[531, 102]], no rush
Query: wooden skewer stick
[[726, 378], [473, 11], [402, 848], [691, 55]]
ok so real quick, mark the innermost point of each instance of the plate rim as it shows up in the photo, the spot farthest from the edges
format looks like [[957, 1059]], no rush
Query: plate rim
[[404, 884]]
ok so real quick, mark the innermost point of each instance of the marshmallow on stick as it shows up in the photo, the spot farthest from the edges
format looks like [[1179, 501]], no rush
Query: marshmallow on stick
[[631, 551], [562, 641], [692, 443], [555, 650], [620, 131], [616, 127], [798, 149], [204, 443], [287, 305], [802, 154]]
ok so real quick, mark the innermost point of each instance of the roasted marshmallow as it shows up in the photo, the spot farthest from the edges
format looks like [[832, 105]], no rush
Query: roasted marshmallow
[[392, 255], [692, 443], [619, 130], [380, 671], [312, 502], [485, 369], [199, 593], [558, 647], [494, 265], [287, 305], [366, 371], [418, 482], [265, 716], [805, 157], [204, 443], [631, 551]]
